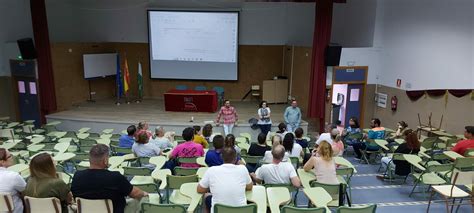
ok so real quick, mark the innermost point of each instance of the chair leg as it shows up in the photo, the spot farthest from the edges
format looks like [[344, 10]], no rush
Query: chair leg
[[429, 201], [414, 186]]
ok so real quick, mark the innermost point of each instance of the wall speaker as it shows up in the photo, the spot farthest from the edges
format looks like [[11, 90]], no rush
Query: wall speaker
[[333, 55], [27, 48]]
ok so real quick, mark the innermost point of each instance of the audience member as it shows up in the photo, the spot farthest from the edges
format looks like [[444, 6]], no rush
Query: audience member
[[264, 121], [337, 145], [268, 157], [259, 149], [402, 128], [44, 182], [229, 114], [198, 138], [377, 132], [160, 139], [339, 126], [188, 149], [292, 116], [322, 164], [293, 149], [463, 145], [142, 148], [412, 146], [99, 183], [326, 136], [227, 183], [213, 157], [277, 172], [127, 141], [299, 138], [281, 130], [207, 133], [349, 133], [230, 142], [11, 182], [143, 127]]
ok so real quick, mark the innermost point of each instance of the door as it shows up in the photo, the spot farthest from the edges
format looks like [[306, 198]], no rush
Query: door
[[354, 102], [28, 99]]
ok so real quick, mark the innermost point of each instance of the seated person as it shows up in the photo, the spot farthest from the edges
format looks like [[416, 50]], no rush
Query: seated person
[[402, 128], [188, 149], [99, 183], [282, 130], [377, 132], [350, 131], [268, 157], [230, 142], [11, 182], [322, 164], [127, 141], [213, 157], [299, 138], [44, 181], [277, 172], [198, 138], [326, 136], [337, 145], [207, 133], [292, 148], [259, 149], [463, 145], [411, 146], [227, 183], [142, 147], [160, 140], [143, 127]]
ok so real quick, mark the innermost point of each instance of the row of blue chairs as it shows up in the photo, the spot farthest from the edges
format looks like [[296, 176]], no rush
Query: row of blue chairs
[[219, 91]]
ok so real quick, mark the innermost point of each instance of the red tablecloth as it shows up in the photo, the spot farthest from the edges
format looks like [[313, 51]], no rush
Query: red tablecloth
[[191, 101]]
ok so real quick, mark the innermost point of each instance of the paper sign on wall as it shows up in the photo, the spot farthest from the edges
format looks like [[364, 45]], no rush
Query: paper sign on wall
[[382, 100], [33, 88], [354, 95], [21, 87]]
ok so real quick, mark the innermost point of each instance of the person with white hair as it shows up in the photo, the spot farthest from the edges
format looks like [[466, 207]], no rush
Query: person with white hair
[[329, 134], [160, 140]]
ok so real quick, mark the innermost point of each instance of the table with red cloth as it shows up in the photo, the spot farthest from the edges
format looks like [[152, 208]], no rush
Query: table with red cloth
[[191, 101]]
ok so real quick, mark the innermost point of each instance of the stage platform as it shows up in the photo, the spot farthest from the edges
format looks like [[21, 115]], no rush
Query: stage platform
[[104, 114]]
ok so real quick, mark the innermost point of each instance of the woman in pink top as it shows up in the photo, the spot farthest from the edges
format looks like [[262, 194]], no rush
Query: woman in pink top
[[337, 146], [322, 164], [188, 149]]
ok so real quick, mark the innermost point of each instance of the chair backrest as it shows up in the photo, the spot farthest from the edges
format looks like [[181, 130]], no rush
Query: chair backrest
[[148, 187], [440, 167], [139, 171], [80, 156], [219, 90], [187, 160], [175, 182], [251, 208], [469, 152], [122, 150], [345, 171], [6, 203], [7, 133], [462, 178], [42, 205], [363, 209], [200, 88], [252, 159], [183, 171], [86, 205], [181, 87], [291, 209], [143, 160], [429, 142], [332, 189], [168, 208], [464, 164], [290, 187]]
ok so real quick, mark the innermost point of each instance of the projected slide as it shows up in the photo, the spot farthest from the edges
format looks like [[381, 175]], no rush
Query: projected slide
[[193, 45]]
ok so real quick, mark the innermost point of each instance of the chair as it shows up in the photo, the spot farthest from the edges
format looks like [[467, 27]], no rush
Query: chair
[[430, 176], [337, 192], [168, 208], [247, 135], [86, 205], [363, 209], [290, 188], [184, 171], [121, 150], [291, 209], [251, 208], [220, 94], [200, 88], [187, 160], [136, 171], [154, 196], [181, 87], [174, 183], [469, 152], [366, 153], [6, 203], [7, 134], [277, 196], [42, 205], [346, 173]]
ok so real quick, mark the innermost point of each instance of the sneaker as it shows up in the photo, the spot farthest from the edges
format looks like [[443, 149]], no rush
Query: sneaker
[[381, 177]]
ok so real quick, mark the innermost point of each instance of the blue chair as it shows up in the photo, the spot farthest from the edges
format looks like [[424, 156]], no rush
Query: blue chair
[[200, 88], [220, 94], [181, 87]]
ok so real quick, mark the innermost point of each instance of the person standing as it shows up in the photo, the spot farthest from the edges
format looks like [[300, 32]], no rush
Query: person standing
[[292, 116], [229, 115], [264, 120]]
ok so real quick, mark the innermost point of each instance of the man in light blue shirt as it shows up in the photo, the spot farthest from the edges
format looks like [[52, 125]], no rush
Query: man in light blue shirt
[[127, 141], [160, 140], [292, 116]]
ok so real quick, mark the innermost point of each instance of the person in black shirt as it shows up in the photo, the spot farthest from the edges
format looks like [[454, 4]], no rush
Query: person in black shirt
[[259, 149], [299, 138], [99, 183], [411, 146]]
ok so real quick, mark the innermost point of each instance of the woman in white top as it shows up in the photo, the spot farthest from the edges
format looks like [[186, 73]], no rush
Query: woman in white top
[[264, 120], [268, 157], [292, 148], [322, 164], [11, 182]]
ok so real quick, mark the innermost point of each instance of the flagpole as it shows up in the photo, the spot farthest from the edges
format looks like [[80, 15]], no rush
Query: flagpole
[[118, 82], [140, 82]]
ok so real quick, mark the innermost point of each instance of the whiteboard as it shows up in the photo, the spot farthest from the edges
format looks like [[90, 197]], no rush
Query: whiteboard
[[100, 65]]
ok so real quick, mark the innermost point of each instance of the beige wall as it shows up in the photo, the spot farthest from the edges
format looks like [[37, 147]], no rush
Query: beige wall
[[457, 112]]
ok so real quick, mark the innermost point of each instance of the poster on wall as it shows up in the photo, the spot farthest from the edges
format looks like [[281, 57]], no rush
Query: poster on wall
[[382, 100]]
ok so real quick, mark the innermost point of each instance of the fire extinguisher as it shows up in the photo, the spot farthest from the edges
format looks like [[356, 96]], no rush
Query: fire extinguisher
[[394, 103]]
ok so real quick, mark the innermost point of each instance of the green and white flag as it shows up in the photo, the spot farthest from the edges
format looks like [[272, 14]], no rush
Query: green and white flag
[[140, 81]]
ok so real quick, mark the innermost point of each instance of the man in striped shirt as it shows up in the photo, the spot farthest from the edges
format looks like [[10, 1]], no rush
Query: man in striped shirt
[[229, 115]]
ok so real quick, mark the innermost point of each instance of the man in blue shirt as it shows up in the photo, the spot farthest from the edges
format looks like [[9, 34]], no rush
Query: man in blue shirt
[[377, 132], [292, 116], [214, 157], [127, 141]]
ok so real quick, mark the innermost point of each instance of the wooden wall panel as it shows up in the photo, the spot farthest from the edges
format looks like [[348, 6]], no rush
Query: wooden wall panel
[[256, 63]]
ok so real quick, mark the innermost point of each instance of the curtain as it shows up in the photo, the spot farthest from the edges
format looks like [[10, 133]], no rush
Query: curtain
[[45, 71], [459, 92], [436, 92], [415, 95], [321, 39]]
